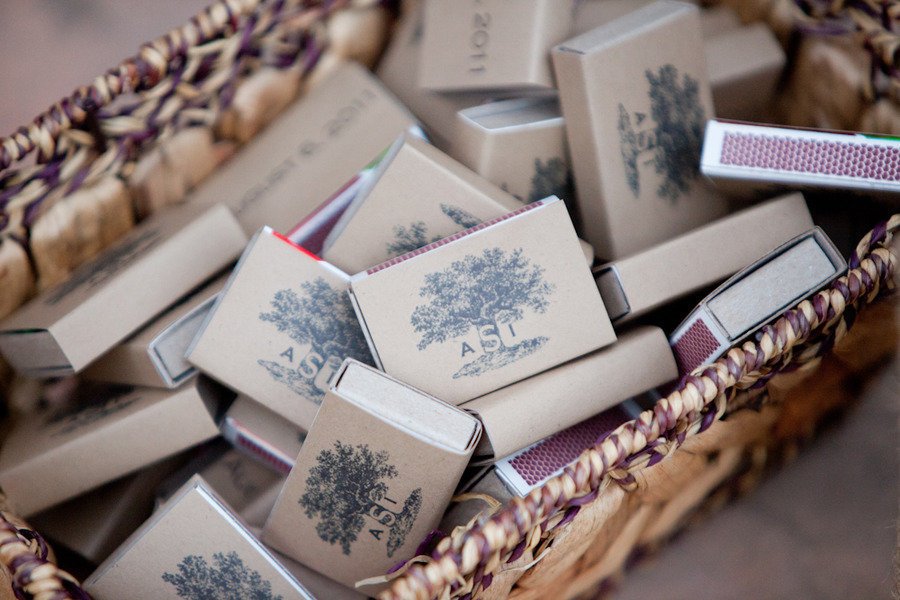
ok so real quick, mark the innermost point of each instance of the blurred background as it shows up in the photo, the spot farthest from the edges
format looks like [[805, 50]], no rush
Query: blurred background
[[823, 527]]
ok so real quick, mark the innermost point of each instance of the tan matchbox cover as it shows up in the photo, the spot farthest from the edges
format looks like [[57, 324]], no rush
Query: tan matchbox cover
[[745, 66], [303, 157], [397, 70], [262, 434], [193, 546], [519, 144], [420, 196], [280, 329], [236, 478], [590, 14], [491, 44], [56, 455], [485, 307], [635, 97], [321, 587], [376, 472], [67, 327], [633, 286], [154, 356], [525, 412], [96, 523]]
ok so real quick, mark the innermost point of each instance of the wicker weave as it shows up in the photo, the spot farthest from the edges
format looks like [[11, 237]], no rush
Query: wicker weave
[[579, 528]]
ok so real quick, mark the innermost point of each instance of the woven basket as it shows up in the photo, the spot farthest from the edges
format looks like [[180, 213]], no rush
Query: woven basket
[[214, 82]]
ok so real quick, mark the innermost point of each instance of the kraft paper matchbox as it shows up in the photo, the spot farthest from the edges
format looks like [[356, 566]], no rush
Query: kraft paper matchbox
[[154, 356], [633, 286], [485, 307], [522, 413], [193, 547], [316, 145], [398, 68], [107, 434], [755, 296], [262, 434], [69, 326], [491, 44], [420, 195], [529, 468], [745, 65], [376, 472], [635, 97], [519, 145], [96, 523], [532, 466], [240, 481], [746, 157], [280, 329]]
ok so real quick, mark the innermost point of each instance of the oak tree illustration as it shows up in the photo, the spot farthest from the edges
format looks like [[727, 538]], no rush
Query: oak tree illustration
[[226, 579], [87, 408], [323, 318], [672, 136], [407, 239], [551, 178], [488, 293], [347, 490]]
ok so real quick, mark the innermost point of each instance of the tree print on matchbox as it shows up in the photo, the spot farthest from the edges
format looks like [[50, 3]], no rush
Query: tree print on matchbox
[[551, 178], [407, 239], [323, 328], [87, 410], [348, 491], [670, 138], [228, 578], [488, 293]]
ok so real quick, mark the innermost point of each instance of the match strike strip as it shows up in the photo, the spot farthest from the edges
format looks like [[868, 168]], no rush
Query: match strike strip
[[734, 150], [461, 234]]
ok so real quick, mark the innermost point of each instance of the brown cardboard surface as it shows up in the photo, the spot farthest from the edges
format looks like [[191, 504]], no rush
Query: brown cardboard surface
[[635, 161], [320, 586], [309, 152], [590, 14], [745, 66], [530, 410], [398, 69], [519, 145], [107, 438], [96, 523], [154, 356], [239, 480], [491, 44], [635, 285], [486, 307], [192, 546], [420, 196], [280, 329], [68, 326], [371, 455]]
